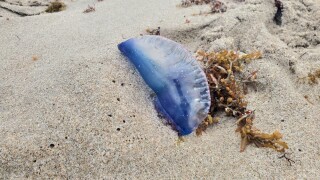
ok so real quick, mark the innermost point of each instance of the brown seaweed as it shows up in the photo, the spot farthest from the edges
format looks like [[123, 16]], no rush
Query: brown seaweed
[[153, 31], [56, 6], [215, 5], [312, 78], [278, 16], [223, 70]]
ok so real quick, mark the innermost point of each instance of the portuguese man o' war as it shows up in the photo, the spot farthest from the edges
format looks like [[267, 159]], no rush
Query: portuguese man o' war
[[180, 84]]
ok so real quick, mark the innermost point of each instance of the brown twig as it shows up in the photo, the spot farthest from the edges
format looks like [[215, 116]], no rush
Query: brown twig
[[90, 9], [284, 155]]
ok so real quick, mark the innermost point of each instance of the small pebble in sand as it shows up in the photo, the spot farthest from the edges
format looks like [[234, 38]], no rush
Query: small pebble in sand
[[35, 58]]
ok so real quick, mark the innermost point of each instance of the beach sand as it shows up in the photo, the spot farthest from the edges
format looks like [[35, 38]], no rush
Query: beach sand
[[71, 106]]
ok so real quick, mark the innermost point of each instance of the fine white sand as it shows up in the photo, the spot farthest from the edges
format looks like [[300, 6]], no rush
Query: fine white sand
[[65, 90]]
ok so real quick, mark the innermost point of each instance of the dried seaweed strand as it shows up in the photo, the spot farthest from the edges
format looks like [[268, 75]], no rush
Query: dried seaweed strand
[[311, 78], [215, 5], [221, 69], [90, 9], [278, 15], [153, 31], [56, 6]]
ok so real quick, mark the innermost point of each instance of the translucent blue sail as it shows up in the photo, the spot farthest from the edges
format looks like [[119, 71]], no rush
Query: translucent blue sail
[[169, 69]]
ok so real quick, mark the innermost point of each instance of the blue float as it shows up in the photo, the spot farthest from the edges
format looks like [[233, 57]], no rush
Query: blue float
[[171, 71]]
